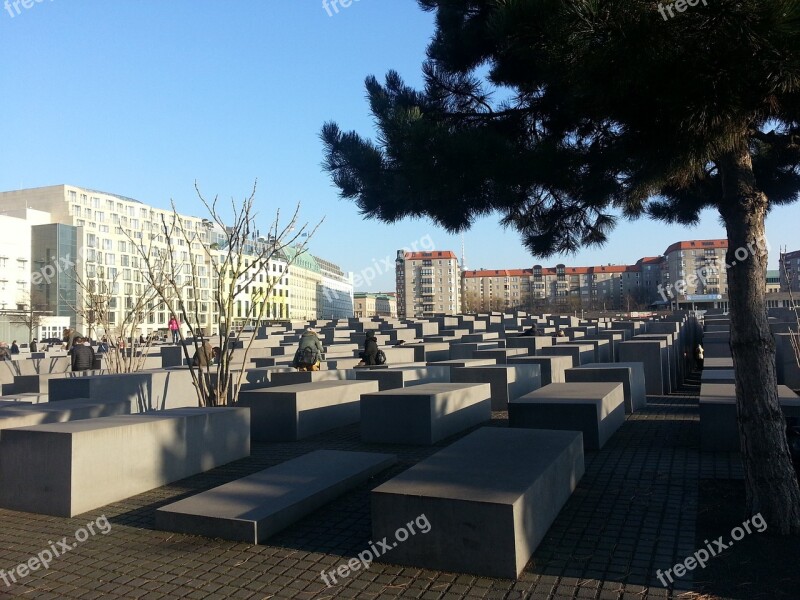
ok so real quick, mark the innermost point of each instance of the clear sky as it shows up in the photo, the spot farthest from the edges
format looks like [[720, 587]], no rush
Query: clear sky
[[142, 98]]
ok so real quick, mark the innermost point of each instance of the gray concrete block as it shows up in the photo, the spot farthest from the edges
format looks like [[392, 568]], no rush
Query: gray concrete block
[[630, 375], [256, 507], [78, 409], [392, 378], [65, 469], [582, 354], [647, 352], [463, 362], [717, 376], [719, 429], [423, 414], [294, 377], [596, 409], [507, 381], [146, 390], [465, 350], [489, 499], [295, 412], [501, 355], [552, 367]]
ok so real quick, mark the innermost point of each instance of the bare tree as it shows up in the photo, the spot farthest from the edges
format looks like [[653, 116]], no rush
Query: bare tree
[[29, 313], [99, 297], [235, 259]]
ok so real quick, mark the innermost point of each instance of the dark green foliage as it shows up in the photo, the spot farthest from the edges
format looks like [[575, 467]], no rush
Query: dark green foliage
[[564, 115]]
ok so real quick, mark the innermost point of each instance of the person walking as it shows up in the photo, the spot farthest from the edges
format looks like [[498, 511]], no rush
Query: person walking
[[82, 355], [14, 347], [309, 352], [174, 328], [699, 355], [33, 345]]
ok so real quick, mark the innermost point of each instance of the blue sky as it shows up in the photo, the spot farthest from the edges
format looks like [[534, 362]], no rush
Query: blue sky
[[143, 98]]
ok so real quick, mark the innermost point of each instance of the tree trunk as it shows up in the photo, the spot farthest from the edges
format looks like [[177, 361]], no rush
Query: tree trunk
[[770, 480]]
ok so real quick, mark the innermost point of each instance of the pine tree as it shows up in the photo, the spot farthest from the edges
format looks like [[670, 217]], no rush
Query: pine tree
[[564, 116]]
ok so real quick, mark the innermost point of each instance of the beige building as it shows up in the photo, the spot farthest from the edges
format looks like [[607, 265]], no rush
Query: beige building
[[428, 283], [367, 304]]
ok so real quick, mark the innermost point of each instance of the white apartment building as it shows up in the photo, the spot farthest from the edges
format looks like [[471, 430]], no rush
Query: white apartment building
[[15, 255], [99, 232]]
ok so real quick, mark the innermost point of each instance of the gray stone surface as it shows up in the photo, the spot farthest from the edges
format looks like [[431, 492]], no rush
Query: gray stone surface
[[256, 507], [552, 367], [717, 376], [146, 390], [719, 430], [463, 362], [507, 381], [630, 375], [392, 378], [423, 414], [77, 409], [582, 354], [65, 469], [489, 500], [295, 412], [596, 409], [647, 352], [294, 377]]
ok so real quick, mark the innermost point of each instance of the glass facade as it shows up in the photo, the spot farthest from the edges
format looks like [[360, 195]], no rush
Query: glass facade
[[54, 258]]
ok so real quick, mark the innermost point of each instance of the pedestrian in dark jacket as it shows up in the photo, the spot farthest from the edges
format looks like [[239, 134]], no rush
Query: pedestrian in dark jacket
[[310, 346], [370, 349], [82, 355], [33, 345], [14, 347]]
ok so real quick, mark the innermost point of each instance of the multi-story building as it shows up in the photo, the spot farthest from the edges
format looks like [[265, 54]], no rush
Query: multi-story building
[[318, 288], [790, 271], [368, 304], [91, 242], [428, 283], [689, 274], [15, 256], [773, 282], [694, 271]]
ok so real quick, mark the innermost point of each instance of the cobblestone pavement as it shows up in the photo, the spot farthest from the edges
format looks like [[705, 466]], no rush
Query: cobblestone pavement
[[633, 512]]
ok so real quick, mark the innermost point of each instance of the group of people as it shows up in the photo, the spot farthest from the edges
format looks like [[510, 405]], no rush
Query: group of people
[[309, 352]]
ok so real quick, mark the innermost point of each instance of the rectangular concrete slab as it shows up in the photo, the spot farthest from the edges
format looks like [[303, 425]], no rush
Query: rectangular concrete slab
[[630, 375], [552, 367], [294, 412], [65, 469], [719, 429], [78, 409], [489, 499], [507, 381], [392, 378], [596, 409], [647, 352], [423, 414], [253, 508]]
